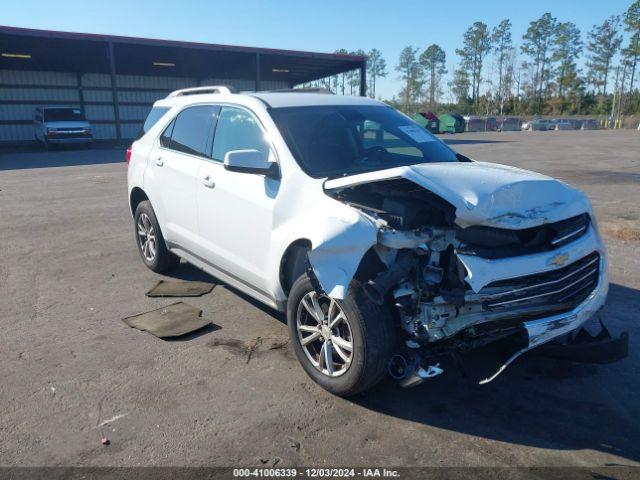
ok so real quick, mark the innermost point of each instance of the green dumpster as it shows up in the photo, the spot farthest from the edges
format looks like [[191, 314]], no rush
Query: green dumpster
[[427, 120], [451, 123]]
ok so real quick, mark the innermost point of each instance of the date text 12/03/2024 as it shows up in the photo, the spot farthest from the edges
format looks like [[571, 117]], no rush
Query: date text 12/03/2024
[[315, 473]]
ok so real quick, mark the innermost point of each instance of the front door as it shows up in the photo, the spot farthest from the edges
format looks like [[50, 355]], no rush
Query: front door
[[235, 210]]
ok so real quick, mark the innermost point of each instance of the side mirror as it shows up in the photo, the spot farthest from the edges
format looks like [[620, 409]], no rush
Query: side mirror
[[250, 161]]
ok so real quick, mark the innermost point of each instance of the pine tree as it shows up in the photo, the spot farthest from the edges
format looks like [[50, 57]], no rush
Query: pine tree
[[354, 75], [377, 67], [567, 47], [502, 46], [537, 42], [632, 51], [408, 70], [476, 45], [432, 60], [604, 43], [343, 75], [460, 86]]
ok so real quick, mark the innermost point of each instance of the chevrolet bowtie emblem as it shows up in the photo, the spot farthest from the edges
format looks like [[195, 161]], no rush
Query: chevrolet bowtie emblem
[[559, 260]]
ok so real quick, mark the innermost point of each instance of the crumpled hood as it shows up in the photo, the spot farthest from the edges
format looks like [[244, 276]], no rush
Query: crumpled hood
[[487, 193]]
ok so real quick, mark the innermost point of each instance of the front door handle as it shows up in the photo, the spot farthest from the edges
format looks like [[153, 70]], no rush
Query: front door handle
[[208, 182], [159, 161]]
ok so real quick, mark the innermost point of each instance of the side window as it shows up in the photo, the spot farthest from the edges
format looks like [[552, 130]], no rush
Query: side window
[[165, 138], [237, 129], [190, 130]]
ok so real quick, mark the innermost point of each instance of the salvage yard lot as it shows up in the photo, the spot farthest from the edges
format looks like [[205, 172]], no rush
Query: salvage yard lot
[[72, 371]]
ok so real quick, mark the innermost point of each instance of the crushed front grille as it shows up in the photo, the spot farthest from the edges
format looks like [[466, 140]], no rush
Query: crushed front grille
[[492, 243]]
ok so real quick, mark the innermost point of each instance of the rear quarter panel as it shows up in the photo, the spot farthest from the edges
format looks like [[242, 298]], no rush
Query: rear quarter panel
[[137, 166]]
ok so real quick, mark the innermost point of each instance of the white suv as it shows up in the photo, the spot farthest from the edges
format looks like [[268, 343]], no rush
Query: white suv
[[385, 247]]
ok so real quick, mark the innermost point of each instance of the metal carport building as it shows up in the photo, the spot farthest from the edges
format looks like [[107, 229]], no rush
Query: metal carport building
[[114, 80]]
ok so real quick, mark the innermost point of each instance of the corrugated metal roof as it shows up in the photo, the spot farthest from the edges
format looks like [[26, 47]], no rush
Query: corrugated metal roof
[[170, 43]]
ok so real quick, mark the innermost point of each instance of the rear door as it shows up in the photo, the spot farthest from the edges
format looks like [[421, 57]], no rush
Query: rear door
[[172, 172], [235, 210]]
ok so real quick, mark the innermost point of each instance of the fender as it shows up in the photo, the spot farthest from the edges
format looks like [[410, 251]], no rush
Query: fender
[[339, 235]]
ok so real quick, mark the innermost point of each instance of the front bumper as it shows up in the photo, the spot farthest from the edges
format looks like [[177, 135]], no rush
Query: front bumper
[[482, 272], [544, 330], [69, 140]]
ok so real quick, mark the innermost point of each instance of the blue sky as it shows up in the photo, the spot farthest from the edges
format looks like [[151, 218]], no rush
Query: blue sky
[[318, 26]]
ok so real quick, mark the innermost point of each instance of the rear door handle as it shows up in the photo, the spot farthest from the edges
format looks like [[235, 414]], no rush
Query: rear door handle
[[159, 161], [208, 182]]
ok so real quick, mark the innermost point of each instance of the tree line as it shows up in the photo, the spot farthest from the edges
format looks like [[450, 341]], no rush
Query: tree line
[[348, 83], [541, 75]]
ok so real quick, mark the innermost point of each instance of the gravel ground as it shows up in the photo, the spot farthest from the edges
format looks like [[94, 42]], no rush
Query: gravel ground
[[72, 371]]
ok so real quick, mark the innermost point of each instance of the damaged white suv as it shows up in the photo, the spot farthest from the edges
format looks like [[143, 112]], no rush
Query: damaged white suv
[[386, 248]]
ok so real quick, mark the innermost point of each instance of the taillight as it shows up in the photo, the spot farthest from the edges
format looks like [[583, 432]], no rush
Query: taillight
[[128, 155]]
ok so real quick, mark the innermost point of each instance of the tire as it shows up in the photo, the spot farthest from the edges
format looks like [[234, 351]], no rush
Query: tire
[[371, 331], [157, 257]]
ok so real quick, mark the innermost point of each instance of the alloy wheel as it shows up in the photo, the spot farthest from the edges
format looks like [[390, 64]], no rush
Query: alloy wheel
[[147, 237], [325, 334]]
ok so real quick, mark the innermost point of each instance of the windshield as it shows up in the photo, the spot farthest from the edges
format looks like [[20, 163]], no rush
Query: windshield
[[63, 115], [333, 141]]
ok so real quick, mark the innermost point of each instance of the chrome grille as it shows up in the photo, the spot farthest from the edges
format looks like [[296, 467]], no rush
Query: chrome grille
[[567, 286], [569, 230]]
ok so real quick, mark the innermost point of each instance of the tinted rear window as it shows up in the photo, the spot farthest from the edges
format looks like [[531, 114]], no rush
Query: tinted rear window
[[155, 114], [63, 115], [191, 129]]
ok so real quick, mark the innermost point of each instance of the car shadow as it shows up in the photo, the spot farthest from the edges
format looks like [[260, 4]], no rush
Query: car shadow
[[68, 156], [187, 337], [186, 271], [538, 401]]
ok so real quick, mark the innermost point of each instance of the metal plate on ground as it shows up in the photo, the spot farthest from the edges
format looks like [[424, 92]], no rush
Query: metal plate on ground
[[171, 321], [180, 288]]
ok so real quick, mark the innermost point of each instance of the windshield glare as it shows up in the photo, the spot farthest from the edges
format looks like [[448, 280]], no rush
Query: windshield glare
[[333, 141], [63, 115]]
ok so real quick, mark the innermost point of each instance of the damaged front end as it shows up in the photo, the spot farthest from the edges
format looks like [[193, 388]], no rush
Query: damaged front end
[[462, 270]]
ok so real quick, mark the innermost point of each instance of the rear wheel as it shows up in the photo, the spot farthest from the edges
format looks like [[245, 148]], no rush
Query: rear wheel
[[344, 346], [150, 241]]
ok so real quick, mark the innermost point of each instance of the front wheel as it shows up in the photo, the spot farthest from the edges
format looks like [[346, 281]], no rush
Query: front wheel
[[344, 346]]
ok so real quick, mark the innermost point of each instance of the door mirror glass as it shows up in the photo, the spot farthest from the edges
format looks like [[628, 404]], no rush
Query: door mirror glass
[[250, 161]]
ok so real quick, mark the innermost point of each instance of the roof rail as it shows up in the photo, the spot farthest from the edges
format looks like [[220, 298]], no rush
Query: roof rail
[[302, 90], [200, 90]]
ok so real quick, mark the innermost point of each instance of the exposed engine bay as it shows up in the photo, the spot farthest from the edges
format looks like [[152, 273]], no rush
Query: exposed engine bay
[[423, 262]]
